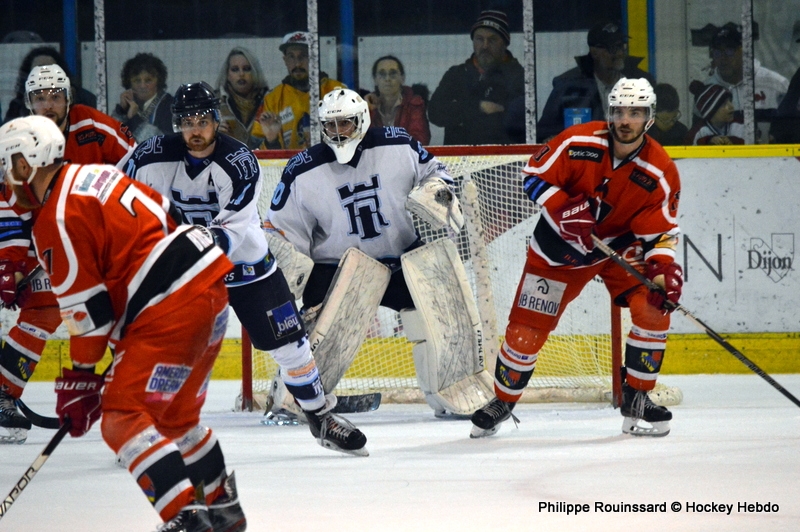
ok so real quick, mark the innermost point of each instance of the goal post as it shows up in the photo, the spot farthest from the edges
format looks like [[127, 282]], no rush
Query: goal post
[[579, 362]]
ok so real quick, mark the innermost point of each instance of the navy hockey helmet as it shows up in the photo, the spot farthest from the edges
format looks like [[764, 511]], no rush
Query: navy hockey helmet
[[194, 99]]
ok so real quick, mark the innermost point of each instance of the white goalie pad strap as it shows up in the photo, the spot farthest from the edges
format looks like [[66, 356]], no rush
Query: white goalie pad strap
[[296, 267], [448, 354], [435, 203], [347, 312]]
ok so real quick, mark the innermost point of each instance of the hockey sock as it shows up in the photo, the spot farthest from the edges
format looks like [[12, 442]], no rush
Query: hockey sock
[[644, 354], [300, 374], [204, 461], [512, 373]]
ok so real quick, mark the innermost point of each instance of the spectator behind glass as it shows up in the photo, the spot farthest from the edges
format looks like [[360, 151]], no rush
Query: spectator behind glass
[[396, 104], [718, 123], [785, 127], [39, 56], [668, 130], [241, 87], [579, 95], [727, 70], [471, 99], [283, 121], [144, 105]]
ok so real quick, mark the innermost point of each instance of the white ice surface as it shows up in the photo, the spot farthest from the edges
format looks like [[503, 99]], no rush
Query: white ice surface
[[734, 440]]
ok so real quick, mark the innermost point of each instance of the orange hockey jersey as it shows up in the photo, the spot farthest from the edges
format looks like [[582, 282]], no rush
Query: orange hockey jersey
[[633, 199], [112, 251], [96, 138]]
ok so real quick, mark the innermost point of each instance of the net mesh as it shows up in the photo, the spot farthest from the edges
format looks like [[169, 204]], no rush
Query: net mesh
[[575, 363]]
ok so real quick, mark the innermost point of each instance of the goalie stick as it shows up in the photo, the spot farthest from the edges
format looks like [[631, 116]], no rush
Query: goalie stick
[[613, 255], [34, 468]]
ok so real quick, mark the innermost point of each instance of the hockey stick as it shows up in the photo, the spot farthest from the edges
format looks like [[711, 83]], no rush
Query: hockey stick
[[37, 464], [38, 420], [613, 255], [355, 404]]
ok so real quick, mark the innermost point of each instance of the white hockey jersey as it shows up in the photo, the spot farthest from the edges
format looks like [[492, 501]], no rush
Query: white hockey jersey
[[219, 192], [324, 207]]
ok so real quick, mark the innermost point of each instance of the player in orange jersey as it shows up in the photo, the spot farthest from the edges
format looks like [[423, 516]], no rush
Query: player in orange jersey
[[92, 137], [125, 275], [612, 181]]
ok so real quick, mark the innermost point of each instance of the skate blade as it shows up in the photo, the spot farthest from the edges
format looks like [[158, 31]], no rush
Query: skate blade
[[280, 418], [632, 426], [15, 436], [478, 432], [333, 447]]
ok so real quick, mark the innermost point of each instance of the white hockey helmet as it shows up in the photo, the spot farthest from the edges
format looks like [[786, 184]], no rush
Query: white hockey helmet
[[37, 138], [344, 118], [635, 92], [47, 77]]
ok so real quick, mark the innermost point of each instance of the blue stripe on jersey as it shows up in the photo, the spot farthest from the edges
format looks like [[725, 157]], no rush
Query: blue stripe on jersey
[[535, 186]]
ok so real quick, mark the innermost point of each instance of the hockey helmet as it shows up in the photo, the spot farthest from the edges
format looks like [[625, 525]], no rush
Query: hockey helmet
[[635, 92], [194, 99], [37, 138], [47, 77], [344, 117]]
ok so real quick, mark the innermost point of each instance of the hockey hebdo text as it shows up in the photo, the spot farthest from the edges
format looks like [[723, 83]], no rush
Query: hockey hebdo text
[[656, 507]]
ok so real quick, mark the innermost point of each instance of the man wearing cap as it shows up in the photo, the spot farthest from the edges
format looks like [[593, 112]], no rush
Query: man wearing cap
[[283, 120], [726, 61], [785, 127], [471, 99], [579, 94]]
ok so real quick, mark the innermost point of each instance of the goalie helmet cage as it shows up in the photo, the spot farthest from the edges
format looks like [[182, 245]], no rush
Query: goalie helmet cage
[[580, 361]]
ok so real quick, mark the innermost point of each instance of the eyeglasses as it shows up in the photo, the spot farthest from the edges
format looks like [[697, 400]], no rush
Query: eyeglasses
[[613, 48], [392, 74], [723, 52]]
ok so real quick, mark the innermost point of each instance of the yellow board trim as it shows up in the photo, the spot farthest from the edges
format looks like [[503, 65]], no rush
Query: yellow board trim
[[637, 31]]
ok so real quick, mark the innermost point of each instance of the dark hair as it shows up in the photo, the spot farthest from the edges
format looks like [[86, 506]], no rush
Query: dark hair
[[384, 58], [144, 62], [666, 97], [25, 67]]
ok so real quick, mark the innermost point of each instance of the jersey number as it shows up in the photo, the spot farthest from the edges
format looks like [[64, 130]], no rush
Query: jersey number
[[134, 193]]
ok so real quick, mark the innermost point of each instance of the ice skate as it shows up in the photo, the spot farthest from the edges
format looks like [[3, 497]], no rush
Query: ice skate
[[12, 420], [486, 421], [637, 407], [225, 512], [192, 518], [335, 432], [280, 407]]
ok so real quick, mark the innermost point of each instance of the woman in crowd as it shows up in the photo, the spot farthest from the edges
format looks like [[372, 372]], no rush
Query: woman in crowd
[[145, 105], [395, 104], [40, 56], [241, 87]]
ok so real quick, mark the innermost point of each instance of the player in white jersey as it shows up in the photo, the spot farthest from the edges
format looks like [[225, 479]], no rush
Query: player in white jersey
[[350, 197], [214, 180]]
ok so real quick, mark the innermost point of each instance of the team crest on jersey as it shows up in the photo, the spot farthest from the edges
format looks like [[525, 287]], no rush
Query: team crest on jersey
[[643, 180], [585, 153], [541, 295], [284, 320], [363, 207], [98, 182]]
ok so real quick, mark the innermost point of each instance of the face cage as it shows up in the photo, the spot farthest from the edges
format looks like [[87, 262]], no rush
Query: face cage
[[177, 118], [340, 139]]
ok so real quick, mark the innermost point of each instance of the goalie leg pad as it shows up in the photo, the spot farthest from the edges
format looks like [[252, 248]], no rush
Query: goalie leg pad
[[296, 266], [347, 311], [446, 327]]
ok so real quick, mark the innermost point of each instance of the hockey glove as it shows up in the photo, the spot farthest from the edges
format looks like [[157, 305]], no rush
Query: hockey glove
[[576, 222], [10, 274], [78, 398], [670, 278]]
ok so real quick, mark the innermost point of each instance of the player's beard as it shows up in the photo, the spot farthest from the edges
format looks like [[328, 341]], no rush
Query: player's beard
[[198, 143], [630, 136]]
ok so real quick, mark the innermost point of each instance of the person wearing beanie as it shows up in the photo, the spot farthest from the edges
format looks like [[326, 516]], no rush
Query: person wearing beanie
[[579, 94], [725, 52], [471, 100], [718, 123], [668, 130]]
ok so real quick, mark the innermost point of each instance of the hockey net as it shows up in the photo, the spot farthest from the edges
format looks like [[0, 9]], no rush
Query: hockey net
[[578, 360]]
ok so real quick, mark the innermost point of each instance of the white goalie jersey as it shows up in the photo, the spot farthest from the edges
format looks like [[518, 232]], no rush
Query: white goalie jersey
[[324, 207], [219, 192]]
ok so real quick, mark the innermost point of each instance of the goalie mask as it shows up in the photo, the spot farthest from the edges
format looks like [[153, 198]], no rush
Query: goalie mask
[[194, 99], [344, 118], [635, 92], [39, 141]]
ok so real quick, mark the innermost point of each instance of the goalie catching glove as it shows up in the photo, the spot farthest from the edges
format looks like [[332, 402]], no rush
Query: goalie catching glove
[[669, 277], [435, 203], [11, 273], [78, 398], [576, 222]]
